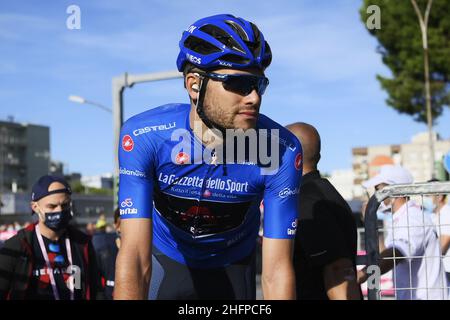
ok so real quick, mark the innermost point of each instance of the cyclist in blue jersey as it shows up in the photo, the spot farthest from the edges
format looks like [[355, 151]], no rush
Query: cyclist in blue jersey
[[189, 198]]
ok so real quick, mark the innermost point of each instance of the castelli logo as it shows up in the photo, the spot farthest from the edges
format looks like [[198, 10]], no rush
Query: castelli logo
[[127, 143], [298, 161], [182, 158]]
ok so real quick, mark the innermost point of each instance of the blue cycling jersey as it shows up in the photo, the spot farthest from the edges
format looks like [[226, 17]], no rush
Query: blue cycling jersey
[[205, 214]]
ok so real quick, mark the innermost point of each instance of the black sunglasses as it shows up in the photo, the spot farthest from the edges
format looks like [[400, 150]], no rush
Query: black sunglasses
[[242, 84]]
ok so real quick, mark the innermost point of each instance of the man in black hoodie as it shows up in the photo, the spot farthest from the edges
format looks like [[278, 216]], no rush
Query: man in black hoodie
[[49, 260]]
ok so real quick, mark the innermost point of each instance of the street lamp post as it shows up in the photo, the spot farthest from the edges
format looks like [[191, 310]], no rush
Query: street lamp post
[[119, 84], [82, 100]]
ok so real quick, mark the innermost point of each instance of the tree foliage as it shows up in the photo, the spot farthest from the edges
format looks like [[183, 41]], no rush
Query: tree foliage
[[400, 45]]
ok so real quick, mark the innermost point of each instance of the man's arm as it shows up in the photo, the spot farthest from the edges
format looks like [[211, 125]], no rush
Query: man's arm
[[278, 278], [134, 262], [445, 243], [340, 280], [385, 264]]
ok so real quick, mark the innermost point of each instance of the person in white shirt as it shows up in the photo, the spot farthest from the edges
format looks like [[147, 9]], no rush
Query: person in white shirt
[[441, 219], [412, 246]]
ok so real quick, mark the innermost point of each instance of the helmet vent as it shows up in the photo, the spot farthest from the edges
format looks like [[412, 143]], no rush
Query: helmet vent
[[255, 46], [238, 29], [222, 36], [267, 55], [200, 46], [233, 58]]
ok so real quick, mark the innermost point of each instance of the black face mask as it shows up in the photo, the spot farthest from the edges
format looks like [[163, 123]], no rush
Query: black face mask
[[58, 220]]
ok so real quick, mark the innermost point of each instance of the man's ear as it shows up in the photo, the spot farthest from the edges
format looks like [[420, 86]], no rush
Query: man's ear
[[192, 85], [33, 206]]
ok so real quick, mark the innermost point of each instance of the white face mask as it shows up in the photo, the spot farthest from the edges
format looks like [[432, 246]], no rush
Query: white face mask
[[428, 204], [385, 208]]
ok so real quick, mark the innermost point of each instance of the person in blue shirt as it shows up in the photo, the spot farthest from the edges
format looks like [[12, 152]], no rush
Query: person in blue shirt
[[192, 178]]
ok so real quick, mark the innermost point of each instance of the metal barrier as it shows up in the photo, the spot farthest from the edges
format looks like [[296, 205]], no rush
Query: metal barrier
[[372, 235]]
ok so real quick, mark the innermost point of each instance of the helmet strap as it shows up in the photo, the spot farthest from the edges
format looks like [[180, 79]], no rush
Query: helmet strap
[[199, 107], [209, 123]]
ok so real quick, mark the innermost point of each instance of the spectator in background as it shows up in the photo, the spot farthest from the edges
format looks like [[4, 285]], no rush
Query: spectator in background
[[90, 229], [6, 232], [49, 260], [412, 245], [17, 226], [326, 240], [106, 247], [100, 226], [441, 218]]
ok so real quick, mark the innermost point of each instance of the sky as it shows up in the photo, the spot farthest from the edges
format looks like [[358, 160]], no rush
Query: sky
[[323, 71]]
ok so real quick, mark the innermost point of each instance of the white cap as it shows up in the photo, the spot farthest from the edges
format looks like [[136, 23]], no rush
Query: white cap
[[390, 174]]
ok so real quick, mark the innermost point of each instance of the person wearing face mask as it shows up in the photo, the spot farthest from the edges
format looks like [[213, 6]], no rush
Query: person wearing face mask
[[50, 259], [440, 208], [411, 247]]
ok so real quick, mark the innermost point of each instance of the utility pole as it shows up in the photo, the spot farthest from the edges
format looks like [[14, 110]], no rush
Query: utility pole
[[2, 163], [119, 84], [423, 21]]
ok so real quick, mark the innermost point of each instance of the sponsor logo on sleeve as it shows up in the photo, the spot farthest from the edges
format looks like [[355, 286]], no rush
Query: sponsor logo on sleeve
[[135, 173], [127, 143], [293, 229], [287, 192], [126, 207], [298, 161]]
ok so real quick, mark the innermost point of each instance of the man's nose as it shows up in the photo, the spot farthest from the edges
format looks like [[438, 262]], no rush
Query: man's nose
[[252, 98]]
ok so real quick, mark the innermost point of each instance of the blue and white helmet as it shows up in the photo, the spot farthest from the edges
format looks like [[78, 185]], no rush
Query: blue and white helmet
[[223, 41]]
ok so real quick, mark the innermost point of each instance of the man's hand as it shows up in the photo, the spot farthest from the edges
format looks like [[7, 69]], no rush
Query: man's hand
[[362, 276], [340, 280]]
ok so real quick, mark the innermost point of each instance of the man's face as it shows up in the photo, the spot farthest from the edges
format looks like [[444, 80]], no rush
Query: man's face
[[54, 202], [229, 109], [387, 202]]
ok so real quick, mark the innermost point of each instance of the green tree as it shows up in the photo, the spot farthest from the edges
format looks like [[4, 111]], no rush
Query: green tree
[[400, 45], [79, 188]]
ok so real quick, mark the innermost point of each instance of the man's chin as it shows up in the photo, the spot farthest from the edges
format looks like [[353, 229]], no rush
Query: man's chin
[[246, 124]]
